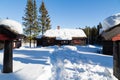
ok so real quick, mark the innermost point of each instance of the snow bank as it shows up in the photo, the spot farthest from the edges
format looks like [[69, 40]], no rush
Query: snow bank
[[13, 25]]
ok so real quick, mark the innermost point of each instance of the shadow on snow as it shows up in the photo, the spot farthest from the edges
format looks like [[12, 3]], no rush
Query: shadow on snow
[[32, 56]]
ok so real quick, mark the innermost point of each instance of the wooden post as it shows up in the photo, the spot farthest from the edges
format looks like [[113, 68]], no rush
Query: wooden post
[[116, 59], [8, 57]]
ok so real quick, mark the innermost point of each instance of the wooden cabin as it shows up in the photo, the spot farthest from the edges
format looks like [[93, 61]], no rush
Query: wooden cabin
[[108, 37], [62, 37], [111, 46]]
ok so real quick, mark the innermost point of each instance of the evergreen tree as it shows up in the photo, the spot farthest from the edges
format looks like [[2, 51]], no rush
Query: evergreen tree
[[36, 28], [99, 26], [93, 35], [29, 20], [44, 19], [99, 40], [87, 31]]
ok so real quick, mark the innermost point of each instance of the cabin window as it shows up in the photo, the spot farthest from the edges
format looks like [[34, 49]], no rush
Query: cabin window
[[64, 42]]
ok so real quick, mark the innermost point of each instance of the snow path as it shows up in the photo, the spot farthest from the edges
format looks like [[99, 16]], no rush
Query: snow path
[[68, 63], [59, 63]]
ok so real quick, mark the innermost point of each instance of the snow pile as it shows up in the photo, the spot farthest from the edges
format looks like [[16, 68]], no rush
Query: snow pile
[[90, 48], [111, 21], [65, 34], [59, 63], [13, 25]]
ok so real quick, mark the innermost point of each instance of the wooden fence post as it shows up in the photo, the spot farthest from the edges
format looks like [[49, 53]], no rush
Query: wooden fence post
[[8, 57]]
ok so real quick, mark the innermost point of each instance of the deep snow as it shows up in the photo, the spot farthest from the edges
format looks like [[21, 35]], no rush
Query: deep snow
[[59, 63]]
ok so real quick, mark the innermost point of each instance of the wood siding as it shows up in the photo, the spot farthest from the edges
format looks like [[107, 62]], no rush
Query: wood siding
[[50, 41], [116, 59], [78, 41], [108, 47]]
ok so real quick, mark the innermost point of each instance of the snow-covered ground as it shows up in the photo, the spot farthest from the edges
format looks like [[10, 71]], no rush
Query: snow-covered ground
[[59, 63]]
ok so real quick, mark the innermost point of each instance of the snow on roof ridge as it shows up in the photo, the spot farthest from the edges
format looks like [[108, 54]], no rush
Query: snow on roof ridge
[[116, 14], [111, 21], [65, 34], [13, 25]]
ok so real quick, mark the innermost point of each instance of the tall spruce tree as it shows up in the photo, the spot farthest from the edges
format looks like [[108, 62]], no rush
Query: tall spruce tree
[[44, 19], [94, 32], [99, 26], [30, 20], [91, 33], [99, 38], [36, 28]]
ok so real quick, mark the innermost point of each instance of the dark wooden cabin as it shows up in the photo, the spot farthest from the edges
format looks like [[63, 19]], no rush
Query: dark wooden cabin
[[62, 37], [108, 38], [111, 46]]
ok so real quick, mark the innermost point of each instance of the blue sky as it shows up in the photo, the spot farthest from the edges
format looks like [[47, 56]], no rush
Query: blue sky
[[65, 13]]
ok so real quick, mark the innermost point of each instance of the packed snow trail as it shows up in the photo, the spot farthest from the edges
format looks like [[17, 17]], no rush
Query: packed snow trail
[[68, 63]]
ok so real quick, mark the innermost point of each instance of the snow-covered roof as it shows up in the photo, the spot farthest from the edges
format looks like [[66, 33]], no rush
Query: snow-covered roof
[[65, 34], [111, 21], [13, 25]]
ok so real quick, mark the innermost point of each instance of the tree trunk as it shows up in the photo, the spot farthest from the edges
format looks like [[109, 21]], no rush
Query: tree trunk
[[34, 43], [8, 57], [30, 36]]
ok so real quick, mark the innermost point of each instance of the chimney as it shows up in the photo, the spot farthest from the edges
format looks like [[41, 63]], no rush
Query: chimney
[[58, 27]]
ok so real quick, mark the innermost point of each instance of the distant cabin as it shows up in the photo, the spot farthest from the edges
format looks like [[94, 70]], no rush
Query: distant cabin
[[62, 37], [109, 37]]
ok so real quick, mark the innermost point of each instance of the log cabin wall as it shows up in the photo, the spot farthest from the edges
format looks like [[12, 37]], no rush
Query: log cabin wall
[[50, 41], [108, 47], [78, 41]]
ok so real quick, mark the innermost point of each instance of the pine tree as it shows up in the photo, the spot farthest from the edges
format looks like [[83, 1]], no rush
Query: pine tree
[[44, 19], [87, 31], [93, 35], [28, 19], [36, 28], [99, 40], [99, 27]]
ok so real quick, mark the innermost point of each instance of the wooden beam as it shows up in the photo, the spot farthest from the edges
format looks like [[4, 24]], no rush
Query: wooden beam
[[8, 57]]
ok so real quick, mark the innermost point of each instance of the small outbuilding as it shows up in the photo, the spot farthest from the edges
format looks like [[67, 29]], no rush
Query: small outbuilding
[[111, 41], [108, 37], [62, 37], [10, 31]]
